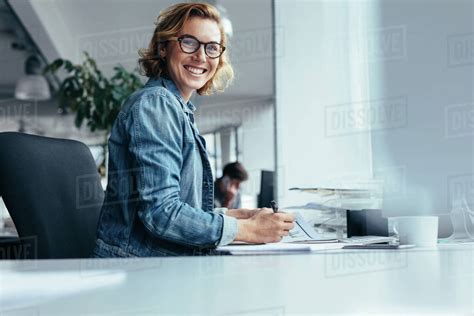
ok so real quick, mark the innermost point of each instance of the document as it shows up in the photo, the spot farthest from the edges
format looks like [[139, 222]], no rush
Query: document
[[302, 238], [303, 232]]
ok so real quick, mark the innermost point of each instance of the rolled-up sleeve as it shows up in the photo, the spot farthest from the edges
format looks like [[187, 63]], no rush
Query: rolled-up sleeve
[[229, 231], [156, 137]]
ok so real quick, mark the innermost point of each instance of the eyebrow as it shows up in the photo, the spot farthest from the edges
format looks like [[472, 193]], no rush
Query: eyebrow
[[187, 34]]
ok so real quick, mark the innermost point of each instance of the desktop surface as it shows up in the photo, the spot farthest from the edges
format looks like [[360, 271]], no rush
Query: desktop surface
[[411, 281]]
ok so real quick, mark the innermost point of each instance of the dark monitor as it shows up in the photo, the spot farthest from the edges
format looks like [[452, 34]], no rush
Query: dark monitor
[[266, 189]]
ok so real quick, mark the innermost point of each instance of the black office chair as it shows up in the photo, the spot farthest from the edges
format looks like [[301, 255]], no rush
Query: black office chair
[[52, 191]]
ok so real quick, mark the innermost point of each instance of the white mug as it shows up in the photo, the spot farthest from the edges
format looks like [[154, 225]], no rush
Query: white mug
[[421, 231]]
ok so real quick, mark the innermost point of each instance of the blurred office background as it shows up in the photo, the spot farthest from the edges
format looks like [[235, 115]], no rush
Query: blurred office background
[[327, 93], [238, 125]]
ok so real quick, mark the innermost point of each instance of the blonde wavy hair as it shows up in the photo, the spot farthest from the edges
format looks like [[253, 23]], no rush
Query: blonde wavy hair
[[168, 24]]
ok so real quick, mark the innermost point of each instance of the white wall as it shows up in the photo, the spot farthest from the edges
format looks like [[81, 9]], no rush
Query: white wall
[[315, 79], [258, 146], [428, 160]]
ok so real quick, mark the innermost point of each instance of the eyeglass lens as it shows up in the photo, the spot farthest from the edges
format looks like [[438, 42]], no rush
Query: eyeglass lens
[[190, 45]]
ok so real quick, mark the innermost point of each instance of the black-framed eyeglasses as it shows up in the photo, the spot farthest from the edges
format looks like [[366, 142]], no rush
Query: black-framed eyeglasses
[[189, 45]]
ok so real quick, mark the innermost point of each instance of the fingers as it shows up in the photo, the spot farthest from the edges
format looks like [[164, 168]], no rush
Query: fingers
[[265, 210], [283, 221], [272, 227], [274, 239], [276, 235], [288, 225], [284, 228], [282, 232], [286, 217]]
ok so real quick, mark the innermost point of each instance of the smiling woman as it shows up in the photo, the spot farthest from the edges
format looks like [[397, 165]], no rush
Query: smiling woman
[[160, 192], [173, 24]]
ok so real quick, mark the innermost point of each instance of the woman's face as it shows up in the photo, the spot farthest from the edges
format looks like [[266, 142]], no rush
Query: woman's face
[[190, 72]]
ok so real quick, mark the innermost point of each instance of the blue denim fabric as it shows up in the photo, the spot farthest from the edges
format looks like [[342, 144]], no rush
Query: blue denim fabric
[[159, 197]]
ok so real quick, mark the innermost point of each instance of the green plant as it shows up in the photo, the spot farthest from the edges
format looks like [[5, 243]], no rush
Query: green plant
[[94, 98]]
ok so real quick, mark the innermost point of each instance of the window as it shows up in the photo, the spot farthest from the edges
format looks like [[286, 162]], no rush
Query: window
[[223, 146]]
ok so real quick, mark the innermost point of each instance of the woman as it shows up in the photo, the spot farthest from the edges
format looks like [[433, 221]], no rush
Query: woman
[[159, 196]]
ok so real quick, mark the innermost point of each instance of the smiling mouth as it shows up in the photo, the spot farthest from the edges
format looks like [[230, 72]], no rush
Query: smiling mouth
[[195, 70]]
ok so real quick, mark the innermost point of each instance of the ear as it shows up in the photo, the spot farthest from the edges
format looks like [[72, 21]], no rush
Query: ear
[[162, 51]]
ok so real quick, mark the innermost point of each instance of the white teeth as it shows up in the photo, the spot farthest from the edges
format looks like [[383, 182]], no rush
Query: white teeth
[[197, 71]]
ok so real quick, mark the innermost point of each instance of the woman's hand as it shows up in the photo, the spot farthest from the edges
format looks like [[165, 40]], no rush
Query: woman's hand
[[265, 226], [243, 213]]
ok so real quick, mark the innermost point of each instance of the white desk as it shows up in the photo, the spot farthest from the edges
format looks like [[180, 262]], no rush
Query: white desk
[[411, 281]]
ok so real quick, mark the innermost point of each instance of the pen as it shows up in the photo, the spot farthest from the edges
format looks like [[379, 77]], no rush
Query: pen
[[274, 206]]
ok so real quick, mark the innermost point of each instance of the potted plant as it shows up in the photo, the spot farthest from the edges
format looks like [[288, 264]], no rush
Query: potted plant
[[94, 98]]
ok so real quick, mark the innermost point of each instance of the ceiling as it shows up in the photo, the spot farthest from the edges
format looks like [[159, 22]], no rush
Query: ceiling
[[11, 60]]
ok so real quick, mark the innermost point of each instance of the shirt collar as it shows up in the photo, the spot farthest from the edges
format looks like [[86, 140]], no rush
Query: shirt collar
[[166, 82]]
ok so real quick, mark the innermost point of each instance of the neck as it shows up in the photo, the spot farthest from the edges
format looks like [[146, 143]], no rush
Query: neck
[[186, 96], [185, 93]]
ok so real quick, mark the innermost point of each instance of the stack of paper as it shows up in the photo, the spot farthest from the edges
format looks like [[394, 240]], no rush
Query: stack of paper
[[278, 248], [264, 248]]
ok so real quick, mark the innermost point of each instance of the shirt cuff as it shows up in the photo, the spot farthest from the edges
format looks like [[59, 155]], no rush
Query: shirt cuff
[[229, 230], [220, 210]]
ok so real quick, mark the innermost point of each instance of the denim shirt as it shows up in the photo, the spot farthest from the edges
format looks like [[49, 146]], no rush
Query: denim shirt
[[159, 197]]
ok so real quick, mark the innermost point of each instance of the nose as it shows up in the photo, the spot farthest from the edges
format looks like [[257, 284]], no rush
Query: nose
[[200, 54]]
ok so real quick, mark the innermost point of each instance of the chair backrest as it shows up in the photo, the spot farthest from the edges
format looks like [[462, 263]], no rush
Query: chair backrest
[[52, 191]]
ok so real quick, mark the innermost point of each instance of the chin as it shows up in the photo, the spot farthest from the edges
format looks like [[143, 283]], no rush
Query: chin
[[196, 85]]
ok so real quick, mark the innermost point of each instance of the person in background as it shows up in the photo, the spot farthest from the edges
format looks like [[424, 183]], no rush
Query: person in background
[[227, 188], [160, 193]]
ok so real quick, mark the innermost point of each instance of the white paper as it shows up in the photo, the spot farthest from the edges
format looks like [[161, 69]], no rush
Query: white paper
[[265, 248], [273, 248], [304, 232]]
